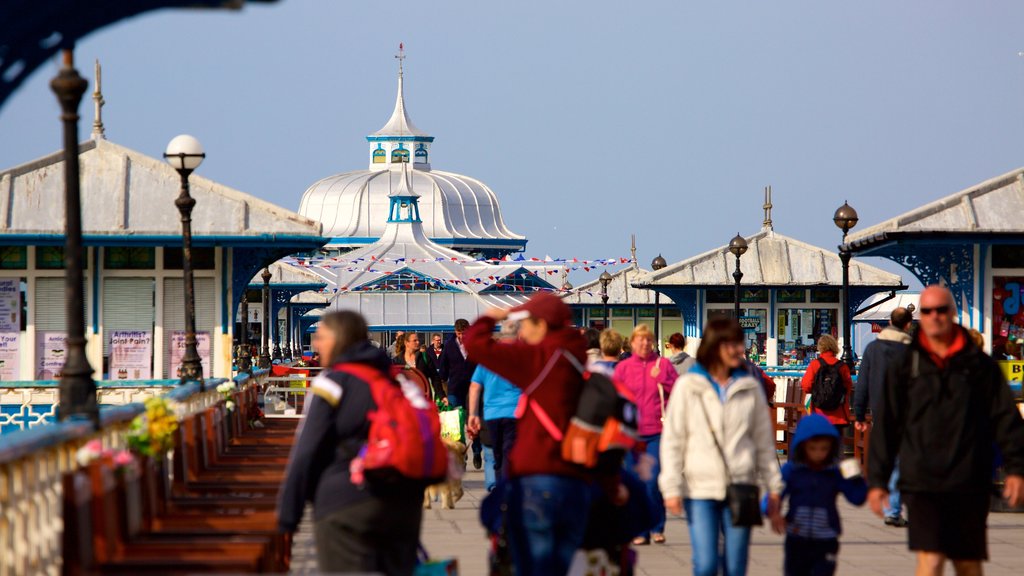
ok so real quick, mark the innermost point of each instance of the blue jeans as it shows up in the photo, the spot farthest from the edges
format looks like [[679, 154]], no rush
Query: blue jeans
[[547, 518], [708, 520], [657, 502], [489, 476], [895, 508]]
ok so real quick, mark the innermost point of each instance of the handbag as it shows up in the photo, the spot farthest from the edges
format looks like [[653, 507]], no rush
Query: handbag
[[743, 499]]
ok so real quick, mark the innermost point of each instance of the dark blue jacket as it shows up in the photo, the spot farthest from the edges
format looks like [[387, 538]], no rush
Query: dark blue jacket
[[812, 493], [877, 358], [330, 436], [456, 370]]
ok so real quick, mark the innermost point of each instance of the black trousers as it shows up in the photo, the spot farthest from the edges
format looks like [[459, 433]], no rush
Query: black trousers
[[811, 557], [503, 436], [372, 536]]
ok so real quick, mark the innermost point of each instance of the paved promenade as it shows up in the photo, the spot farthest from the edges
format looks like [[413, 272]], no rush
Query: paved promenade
[[868, 547]]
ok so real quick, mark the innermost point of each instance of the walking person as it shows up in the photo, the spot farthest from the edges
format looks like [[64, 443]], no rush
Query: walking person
[[367, 528], [434, 351], [814, 480], [457, 370], [717, 433], [878, 357], [830, 385], [675, 350], [611, 346], [945, 408], [496, 412], [548, 497], [408, 355], [649, 377]]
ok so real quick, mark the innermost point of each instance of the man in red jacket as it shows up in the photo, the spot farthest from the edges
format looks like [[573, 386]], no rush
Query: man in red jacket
[[555, 492]]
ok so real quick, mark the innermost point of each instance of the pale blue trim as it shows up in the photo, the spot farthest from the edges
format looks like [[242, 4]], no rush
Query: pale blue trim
[[470, 242], [258, 240], [400, 138]]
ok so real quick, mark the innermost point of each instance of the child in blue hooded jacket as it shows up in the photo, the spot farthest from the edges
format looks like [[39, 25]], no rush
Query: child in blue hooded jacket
[[813, 481]]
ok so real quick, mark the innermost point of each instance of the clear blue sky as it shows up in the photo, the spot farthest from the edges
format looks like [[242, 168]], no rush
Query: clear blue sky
[[590, 120]]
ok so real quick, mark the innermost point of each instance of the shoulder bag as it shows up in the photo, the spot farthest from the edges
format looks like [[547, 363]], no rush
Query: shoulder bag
[[743, 499]]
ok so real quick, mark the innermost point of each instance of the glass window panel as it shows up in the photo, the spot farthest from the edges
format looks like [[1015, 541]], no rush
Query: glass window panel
[[646, 312], [1008, 256], [799, 330], [671, 313], [1007, 318], [129, 258], [791, 295], [13, 257], [203, 258], [622, 313], [825, 295], [755, 329]]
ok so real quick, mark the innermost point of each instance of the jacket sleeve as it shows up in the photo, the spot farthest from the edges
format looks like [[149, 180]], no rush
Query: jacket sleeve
[[445, 368], [1007, 424], [311, 437], [861, 391], [854, 489], [673, 446], [764, 440], [844, 373], [427, 367], [887, 428], [668, 375], [807, 382], [510, 360]]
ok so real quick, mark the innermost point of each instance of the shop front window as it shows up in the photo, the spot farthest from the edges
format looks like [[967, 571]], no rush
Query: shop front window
[[799, 330], [754, 322], [1007, 317]]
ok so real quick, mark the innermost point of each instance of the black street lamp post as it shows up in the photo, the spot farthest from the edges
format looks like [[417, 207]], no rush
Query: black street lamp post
[[288, 331], [77, 389], [657, 264], [605, 280], [244, 354], [265, 349], [846, 218], [738, 246], [185, 154]]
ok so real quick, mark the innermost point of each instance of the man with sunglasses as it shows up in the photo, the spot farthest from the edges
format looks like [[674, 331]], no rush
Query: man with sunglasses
[[945, 405]]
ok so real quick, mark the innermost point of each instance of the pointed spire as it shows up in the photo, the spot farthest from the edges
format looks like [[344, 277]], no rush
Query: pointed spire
[[404, 187], [98, 132], [632, 249], [399, 124], [767, 224]]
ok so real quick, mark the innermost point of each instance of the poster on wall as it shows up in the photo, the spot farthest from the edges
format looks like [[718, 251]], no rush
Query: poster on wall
[[10, 305], [131, 352], [178, 351], [10, 356], [50, 347]]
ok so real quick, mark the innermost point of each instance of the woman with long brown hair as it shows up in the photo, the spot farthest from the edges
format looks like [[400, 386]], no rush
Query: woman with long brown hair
[[408, 354], [358, 528]]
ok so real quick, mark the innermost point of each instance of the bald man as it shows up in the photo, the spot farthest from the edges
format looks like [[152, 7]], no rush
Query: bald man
[[945, 404]]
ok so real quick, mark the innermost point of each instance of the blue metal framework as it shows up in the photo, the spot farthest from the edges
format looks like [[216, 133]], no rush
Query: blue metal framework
[[35, 30], [406, 280], [522, 280]]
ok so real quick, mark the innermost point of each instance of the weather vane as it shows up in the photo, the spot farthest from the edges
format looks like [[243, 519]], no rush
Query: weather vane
[[400, 56]]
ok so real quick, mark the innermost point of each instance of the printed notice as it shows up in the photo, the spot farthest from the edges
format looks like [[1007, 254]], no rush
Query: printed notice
[[178, 351], [131, 353]]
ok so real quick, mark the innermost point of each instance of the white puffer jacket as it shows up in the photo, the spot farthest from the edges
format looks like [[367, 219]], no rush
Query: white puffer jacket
[[691, 466]]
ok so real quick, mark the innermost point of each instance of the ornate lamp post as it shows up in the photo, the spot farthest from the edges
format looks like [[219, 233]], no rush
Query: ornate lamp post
[[185, 154], [738, 247], [244, 355], [265, 349], [288, 330], [657, 264], [846, 218], [77, 389], [605, 280]]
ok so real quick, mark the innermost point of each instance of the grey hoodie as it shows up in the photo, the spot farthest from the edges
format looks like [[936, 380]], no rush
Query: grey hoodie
[[682, 362]]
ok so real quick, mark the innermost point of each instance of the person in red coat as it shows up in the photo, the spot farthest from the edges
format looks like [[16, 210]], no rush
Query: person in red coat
[[828, 349], [548, 498]]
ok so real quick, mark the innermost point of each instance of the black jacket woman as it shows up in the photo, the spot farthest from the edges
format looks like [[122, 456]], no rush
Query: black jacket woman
[[367, 528], [407, 354]]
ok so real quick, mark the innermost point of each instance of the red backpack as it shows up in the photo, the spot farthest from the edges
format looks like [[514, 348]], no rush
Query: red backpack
[[405, 431]]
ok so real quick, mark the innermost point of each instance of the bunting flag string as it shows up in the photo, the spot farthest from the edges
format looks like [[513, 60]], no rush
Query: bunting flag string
[[569, 264]]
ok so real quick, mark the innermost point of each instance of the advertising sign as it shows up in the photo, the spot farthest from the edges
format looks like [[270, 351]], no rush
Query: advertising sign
[[131, 352], [50, 348], [10, 305], [750, 323], [178, 351], [10, 356]]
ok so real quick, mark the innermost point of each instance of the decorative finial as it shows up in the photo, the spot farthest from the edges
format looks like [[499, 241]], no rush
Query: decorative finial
[[400, 56], [632, 248], [97, 97], [767, 224]]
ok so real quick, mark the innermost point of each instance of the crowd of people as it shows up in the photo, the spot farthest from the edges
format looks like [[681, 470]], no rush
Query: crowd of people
[[703, 443]]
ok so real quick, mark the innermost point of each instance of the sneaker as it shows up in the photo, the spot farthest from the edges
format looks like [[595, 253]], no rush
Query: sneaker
[[896, 521], [478, 462]]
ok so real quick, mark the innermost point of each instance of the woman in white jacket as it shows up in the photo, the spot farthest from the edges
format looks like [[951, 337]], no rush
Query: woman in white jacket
[[718, 392]]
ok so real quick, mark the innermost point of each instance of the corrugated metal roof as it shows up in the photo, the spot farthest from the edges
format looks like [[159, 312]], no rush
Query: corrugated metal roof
[[127, 193], [620, 290], [993, 206], [771, 260]]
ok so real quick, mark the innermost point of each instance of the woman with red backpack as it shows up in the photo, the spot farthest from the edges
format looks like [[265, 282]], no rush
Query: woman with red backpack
[[359, 526], [828, 382]]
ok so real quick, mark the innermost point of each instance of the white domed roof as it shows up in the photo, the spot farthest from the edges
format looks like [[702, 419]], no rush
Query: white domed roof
[[456, 210]]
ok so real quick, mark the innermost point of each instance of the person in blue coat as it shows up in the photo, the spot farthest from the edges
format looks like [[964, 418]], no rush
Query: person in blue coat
[[814, 479]]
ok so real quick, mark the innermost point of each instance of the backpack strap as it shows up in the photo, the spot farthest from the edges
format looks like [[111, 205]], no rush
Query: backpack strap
[[526, 402]]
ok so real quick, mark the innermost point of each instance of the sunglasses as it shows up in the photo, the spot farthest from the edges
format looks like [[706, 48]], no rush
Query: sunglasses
[[935, 310]]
